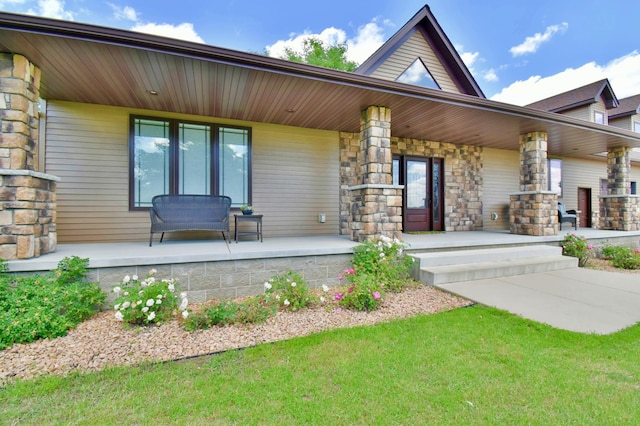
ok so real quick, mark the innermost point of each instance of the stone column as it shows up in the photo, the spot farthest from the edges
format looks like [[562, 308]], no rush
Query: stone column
[[619, 210], [533, 210], [27, 197], [376, 204]]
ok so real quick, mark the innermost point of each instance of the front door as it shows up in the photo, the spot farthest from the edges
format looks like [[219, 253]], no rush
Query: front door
[[584, 205], [423, 194]]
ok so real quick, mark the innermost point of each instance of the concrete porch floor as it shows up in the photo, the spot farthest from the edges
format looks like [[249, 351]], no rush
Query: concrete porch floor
[[103, 255]]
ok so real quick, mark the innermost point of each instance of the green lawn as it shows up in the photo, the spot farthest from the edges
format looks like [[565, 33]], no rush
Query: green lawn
[[473, 365]]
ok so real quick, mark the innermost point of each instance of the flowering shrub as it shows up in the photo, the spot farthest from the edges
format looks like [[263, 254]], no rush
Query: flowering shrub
[[288, 291], [46, 306], [148, 301], [622, 257], [363, 292], [384, 261], [577, 246]]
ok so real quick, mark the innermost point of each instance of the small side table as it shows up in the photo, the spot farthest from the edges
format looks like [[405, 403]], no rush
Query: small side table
[[257, 218]]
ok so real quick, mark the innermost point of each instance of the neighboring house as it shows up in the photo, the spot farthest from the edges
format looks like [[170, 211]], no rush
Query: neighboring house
[[589, 103], [574, 180], [98, 120], [627, 114]]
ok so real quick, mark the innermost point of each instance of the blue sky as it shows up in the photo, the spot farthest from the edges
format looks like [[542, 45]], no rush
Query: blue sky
[[518, 51]]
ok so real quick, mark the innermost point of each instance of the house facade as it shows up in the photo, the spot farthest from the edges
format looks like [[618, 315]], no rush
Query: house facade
[[95, 121]]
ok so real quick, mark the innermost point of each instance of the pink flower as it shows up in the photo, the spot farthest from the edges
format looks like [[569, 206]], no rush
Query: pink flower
[[339, 296], [590, 246], [349, 271], [351, 289], [376, 295], [340, 277]]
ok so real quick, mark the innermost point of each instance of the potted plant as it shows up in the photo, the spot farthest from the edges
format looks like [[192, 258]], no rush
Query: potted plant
[[247, 209]]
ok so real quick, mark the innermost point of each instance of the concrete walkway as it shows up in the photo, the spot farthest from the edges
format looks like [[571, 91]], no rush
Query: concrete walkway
[[579, 299]]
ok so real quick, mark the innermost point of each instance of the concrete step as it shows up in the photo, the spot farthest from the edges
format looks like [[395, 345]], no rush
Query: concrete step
[[468, 265]]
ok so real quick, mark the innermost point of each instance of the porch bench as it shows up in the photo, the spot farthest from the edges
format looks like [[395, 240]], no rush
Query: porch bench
[[565, 215], [183, 212]]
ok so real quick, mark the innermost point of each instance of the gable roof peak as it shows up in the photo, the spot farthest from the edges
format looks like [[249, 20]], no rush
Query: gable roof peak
[[584, 95], [426, 24]]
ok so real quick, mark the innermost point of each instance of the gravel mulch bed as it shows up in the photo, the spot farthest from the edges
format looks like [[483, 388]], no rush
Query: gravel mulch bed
[[102, 341]]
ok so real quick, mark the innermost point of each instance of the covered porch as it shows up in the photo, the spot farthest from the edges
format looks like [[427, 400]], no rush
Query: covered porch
[[207, 269]]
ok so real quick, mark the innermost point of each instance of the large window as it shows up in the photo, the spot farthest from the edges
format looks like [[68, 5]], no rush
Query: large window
[[599, 117], [554, 168], [178, 157]]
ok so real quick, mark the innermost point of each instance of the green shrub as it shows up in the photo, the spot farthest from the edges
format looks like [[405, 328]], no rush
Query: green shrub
[[610, 252], [253, 310], [577, 246], [288, 291], [384, 260], [36, 307], [364, 293], [625, 258], [148, 301]]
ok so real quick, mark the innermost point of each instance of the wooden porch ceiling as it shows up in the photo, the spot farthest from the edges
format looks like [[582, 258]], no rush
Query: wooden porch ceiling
[[98, 65]]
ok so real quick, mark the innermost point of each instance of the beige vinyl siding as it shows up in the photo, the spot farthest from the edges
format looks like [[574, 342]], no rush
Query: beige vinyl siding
[[415, 47], [583, 113], [500, 177], [579, 173], [295, 175], [622, 123]]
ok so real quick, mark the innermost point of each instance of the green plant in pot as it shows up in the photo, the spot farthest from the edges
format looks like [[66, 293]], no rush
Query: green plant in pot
[[246, 209]]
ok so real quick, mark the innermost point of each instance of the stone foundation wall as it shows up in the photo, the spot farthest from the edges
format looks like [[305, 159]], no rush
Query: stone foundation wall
[[204, 281], [27, 214], [533, 213], [620, 212]]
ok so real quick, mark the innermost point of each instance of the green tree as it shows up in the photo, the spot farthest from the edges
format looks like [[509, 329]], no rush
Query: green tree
[[314, 52]]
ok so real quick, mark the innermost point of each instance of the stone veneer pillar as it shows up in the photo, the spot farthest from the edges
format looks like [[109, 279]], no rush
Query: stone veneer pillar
[[27, 197], [376, 204], [619, 210], [533, 210]]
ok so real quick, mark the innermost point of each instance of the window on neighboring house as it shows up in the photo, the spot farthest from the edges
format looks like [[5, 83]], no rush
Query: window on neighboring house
[[604, 187], [636, 126], [554, 168], [633, 188], [178, 157], [599, 117]]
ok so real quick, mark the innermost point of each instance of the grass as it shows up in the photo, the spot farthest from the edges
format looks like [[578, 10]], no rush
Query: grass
[[473, 365]]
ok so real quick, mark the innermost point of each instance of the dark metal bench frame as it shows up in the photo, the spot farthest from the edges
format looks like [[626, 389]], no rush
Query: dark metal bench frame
[[185, 212], [565, 215]]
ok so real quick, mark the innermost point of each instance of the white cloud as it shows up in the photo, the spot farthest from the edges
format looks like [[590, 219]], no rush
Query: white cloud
[[51, 9], [368, 38], [491, 75], [623, 74], [184, 31], [126, 12], [532, 43]]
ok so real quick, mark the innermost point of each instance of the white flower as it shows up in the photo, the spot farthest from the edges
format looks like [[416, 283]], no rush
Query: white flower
[[119, 316], [117, 290], [126, 304], [135, 278], [183, 304], [277, 297], [145, 309], [158, 301], [267, 285], [159, 296], [139, 302], [325, 288], [293, 284], [116, 307], [126, 279], [185, 314], [172, 288], [183, 295], [286, 302], [153, 271], [381, 254], [151, 280], [140, 293], [151, 316], [150, 302], [322, 299], [126, 293]]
